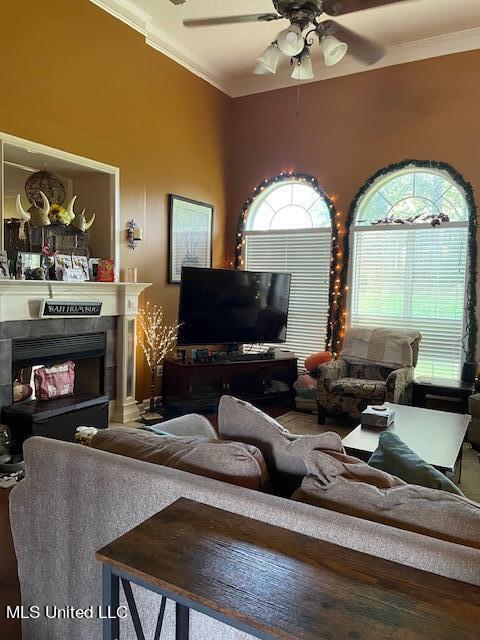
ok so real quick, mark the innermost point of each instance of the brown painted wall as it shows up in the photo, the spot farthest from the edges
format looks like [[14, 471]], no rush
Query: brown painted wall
[[355, 125], [75, 78]]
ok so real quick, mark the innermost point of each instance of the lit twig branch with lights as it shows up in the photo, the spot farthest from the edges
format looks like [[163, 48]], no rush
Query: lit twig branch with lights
[[156, 339]]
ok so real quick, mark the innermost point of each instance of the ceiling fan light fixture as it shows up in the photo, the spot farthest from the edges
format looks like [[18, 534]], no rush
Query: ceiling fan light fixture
[[303, 69], [290, 41], [333, 50], [268, 60]]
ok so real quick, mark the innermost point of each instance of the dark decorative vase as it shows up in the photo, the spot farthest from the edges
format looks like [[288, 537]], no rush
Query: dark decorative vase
[[469, 372]]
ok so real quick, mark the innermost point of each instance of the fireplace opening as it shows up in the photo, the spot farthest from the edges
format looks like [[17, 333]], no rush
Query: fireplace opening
[[86, 351], [58, 417]]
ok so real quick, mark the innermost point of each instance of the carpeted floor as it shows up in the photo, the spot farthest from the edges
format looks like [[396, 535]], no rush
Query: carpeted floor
[[306, 424]]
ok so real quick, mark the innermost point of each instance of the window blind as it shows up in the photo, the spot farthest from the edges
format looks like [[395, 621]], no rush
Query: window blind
[[306, 255], [414, 278]]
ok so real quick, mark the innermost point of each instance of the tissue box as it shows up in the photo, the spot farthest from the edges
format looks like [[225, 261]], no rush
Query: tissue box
[[377, 419]]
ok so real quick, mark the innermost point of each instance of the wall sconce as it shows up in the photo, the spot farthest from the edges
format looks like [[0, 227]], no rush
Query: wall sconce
[[134, 234]]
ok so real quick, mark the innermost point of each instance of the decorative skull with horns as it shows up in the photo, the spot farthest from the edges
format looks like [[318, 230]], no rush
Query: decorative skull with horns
[[79, 221], [40, 218]]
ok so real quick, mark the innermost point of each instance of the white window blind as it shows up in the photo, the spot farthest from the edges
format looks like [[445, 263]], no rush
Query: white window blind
[[306, 255], [414, 278]]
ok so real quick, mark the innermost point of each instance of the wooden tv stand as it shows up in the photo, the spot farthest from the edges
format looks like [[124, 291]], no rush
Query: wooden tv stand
[[192, 386]]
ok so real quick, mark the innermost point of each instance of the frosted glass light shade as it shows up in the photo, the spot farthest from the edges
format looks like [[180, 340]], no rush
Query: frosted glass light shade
[[269, 59], [303, 70], [260, 70], [290, 41], [333, 50]]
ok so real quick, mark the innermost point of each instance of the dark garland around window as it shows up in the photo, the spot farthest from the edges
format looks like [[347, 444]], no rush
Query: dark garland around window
[[471, 327], [335, 290]]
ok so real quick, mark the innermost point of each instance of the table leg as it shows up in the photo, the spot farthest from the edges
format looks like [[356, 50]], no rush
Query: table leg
[[182, 622], [458, 471], [110, 603], [456, 474]]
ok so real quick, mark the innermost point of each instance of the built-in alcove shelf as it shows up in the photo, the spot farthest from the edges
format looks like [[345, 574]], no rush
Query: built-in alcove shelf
[[96, 184]]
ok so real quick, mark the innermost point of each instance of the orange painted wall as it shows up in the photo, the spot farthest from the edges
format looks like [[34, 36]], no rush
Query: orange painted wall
[[352, 126], [75, 78]]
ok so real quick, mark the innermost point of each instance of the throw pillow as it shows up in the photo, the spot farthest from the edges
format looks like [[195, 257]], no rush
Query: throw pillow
[[312, 362], [233, 462], [347, 485], [394, 456]]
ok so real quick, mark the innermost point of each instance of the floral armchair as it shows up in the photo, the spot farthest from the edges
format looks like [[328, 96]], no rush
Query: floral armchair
[[346, 388]]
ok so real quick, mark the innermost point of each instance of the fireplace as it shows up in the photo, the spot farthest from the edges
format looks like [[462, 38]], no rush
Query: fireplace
[[107, 368], [87, 351], [93, 353]]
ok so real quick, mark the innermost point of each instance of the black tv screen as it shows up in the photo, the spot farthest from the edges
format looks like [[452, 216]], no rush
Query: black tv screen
[[221, 306]]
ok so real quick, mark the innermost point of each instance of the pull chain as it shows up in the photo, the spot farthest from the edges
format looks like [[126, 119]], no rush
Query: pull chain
[[299, 107]]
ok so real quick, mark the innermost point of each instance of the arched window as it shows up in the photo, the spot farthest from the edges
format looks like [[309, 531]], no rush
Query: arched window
[[288, 227], [410, 260]]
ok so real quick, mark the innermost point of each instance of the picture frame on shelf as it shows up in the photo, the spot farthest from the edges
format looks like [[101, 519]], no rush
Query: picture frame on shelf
[[93, 268], [81, 262], [190, 235], [73, 275], [29, 266], [4, 270], [62, 262]]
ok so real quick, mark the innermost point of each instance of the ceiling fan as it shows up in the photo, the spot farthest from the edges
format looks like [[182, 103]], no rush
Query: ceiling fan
[[296, 40]]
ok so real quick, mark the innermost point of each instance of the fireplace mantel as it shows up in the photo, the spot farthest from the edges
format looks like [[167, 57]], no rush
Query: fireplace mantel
[[22, 300]]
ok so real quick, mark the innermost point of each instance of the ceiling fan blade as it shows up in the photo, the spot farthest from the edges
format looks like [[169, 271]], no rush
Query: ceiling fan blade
[[340, 7], [359, 47], [253, 17]]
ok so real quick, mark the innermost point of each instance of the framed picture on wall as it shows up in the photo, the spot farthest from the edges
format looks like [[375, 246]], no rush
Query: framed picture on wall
[[190, 235]]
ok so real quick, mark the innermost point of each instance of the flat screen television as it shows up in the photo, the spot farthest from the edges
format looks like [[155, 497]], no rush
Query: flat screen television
[[221, 306]]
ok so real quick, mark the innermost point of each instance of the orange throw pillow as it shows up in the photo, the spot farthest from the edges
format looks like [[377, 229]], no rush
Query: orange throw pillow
[[312, 362]]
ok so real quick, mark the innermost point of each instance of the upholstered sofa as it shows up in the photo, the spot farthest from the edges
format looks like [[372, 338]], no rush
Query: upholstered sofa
[[76, 499], [375, 366]]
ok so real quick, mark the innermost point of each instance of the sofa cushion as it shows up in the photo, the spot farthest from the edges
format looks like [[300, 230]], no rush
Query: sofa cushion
[[234, 462], [394, 456], [347, 485], [284, 452], [357, 388]]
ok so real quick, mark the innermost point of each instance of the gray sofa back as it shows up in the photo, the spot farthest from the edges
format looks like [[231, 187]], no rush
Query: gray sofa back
[[74, 500]]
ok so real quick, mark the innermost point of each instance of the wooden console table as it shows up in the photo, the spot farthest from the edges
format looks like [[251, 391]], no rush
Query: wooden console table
[[274, 583]]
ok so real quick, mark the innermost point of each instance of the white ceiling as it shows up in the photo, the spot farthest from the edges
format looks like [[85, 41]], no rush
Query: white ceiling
[[225, 55]]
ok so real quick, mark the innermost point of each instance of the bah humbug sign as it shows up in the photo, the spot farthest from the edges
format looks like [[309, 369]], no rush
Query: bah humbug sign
[[66, 308]]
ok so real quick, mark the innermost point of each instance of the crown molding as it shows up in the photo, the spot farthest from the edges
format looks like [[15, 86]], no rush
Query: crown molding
[[162, 42], [137, 19], [433, 47], [127, 12]]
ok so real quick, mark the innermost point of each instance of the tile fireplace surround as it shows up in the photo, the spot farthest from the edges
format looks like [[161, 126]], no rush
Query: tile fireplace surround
[[20, 304]]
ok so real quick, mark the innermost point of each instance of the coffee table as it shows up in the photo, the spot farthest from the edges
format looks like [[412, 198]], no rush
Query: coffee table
[[436, 436]]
